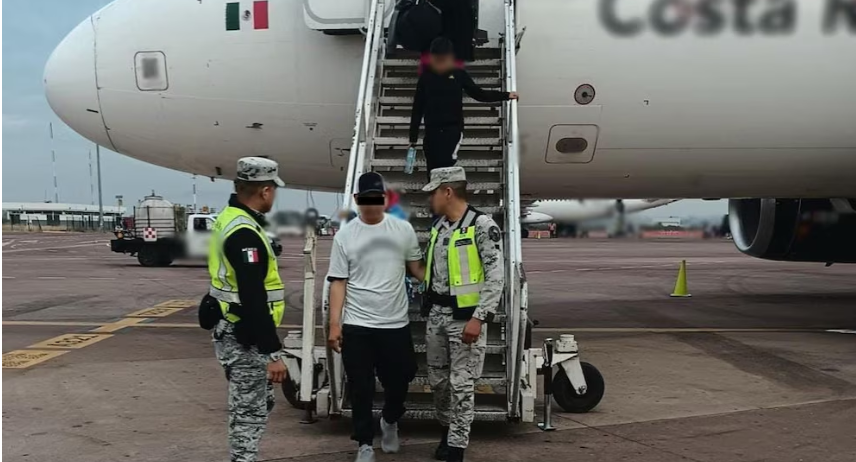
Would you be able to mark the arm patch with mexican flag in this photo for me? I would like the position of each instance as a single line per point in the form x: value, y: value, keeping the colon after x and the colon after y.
x: 251, y: 255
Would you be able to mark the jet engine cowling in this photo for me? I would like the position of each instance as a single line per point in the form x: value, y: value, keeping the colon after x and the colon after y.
x: 809, y: 230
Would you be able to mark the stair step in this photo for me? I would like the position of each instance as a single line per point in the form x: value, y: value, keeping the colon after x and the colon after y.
x: 466, y: 163
x: 404, y: 141
x: 403, y: 120
x: 420, y: 406
x: 489, y: 51
x: 490, y: 349
x: 414, y: 62
x: 469, y: 111
x: 484, y: 385
x: 408, y: 100
x: 416, y: 316
x: 402, y: 186
x: 409, y: 83
x: 471, y: 131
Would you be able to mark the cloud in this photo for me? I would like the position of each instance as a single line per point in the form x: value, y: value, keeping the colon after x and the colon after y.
x: 16, y: 122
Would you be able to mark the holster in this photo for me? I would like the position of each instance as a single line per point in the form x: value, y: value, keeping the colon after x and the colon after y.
x: 209, y: 312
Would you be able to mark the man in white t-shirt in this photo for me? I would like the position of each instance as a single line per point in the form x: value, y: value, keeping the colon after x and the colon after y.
x: 368, y: 263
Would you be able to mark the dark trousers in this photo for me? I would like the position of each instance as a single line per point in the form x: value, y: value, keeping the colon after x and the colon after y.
x: 441, y: 145
x: 389, y: 353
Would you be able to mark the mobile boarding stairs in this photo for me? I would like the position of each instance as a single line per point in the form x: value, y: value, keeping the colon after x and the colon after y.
x: 490, y: 154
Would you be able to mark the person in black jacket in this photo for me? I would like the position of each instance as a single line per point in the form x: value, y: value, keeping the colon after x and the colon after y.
x: 439, y: 100
x: 246, y: 285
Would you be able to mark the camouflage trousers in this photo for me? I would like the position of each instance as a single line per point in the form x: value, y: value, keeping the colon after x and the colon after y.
x: 453, y: 368
x: 251, y: 395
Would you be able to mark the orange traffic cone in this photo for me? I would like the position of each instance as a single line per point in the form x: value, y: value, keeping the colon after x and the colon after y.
x: 681, y: 283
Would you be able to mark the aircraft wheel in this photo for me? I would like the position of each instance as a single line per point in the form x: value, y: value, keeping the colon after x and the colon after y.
x: 524, y: 233
x: 569, y: 400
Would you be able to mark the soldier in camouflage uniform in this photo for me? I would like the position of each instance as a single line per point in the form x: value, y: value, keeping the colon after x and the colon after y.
x: 248, y: 297
x: 463, y: 289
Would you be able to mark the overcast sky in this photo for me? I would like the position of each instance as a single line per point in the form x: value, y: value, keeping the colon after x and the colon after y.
x: 31, y: 30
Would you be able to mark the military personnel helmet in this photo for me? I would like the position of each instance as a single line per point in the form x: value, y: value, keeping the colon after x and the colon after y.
x: 259, y: 169
x: 440, y: 176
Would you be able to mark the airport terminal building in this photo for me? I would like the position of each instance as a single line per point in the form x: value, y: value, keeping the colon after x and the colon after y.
x: 49, y: 216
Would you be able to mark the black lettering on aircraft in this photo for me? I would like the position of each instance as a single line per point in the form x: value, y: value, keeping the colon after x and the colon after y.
x: 711, y: 19
x: 838, y: 11
x: 670, y: 17
x: 781, y: 20
x: 707, y: 17
x: 615, y: 25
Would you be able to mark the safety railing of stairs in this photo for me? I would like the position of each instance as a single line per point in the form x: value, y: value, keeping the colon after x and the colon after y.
x: 515, y: 293
x: 364, y: 116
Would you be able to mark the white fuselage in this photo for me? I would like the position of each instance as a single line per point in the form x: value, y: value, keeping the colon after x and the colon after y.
x: 736, y: 108
x: 572, y: 212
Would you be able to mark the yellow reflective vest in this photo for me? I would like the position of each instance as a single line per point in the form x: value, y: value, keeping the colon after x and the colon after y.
x: 224, y: 285
x: 466, y: 273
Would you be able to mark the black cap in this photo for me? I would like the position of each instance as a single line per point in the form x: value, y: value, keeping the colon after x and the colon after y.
x: 370, y: 182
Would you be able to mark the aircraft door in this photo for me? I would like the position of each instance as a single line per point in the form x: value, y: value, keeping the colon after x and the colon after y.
x: 340, y: 15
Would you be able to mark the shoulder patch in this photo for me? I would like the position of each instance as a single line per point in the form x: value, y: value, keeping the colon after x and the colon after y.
x: 251, y: 255
x: 494, y: 233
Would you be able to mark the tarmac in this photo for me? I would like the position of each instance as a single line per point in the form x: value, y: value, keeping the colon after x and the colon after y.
x: 103, y: 360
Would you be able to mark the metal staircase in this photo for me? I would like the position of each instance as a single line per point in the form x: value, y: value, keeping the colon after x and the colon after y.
x: 484, y: 154
x: 489, y: 153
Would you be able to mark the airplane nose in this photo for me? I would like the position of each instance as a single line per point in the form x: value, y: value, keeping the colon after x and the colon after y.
x: 71, y: 87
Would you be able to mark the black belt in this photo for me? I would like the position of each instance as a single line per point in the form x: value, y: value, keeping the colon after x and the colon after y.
x: 448, y: 301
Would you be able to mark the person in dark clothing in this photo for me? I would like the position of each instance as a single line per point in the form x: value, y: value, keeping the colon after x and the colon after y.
x: 246, y: 285
x: 440, y: 101
x: 459, y: 26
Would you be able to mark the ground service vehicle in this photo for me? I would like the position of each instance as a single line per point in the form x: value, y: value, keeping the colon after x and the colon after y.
x: 162, y: 233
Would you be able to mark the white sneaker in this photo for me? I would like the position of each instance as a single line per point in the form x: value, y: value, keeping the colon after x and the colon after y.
x: 365, y: 454
x: 389, y: 441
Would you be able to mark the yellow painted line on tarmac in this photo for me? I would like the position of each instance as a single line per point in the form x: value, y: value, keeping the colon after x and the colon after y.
x: 73, y: 341
x: 22, y: 359
x: 36, y: 353
x: 54, y: 323
x: 176, y: 304
x: 154, y: 312
x: 119, y: 325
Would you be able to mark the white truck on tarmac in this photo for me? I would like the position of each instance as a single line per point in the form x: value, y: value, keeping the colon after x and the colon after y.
x: 162, y: 233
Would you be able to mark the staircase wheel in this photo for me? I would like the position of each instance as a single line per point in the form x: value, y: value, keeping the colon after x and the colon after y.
x: 568, y: 399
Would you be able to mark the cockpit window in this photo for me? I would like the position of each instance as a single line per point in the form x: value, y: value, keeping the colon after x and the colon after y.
x: 151, y: 71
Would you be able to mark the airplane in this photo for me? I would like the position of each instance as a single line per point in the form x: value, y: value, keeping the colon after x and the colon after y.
x: 745, y: 100
x: 569, y: 214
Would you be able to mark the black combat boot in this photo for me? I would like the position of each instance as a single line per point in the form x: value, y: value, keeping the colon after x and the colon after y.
x: 455, y: 454
x: 442, y: 452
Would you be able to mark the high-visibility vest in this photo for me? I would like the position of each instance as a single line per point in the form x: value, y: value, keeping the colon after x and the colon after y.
x: 224, y: 284
x: 466, y: 273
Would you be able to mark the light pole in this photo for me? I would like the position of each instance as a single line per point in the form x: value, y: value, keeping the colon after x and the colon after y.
x: 100, y: 197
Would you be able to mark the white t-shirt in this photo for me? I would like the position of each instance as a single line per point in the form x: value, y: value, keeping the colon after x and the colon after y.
x: 373, y: 260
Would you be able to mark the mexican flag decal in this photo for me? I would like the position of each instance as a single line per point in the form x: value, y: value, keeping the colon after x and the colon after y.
x: 238, y: 11
x: 251, y: 255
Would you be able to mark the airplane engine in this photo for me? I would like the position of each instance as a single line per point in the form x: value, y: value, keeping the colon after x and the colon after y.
x: 808, y: 230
